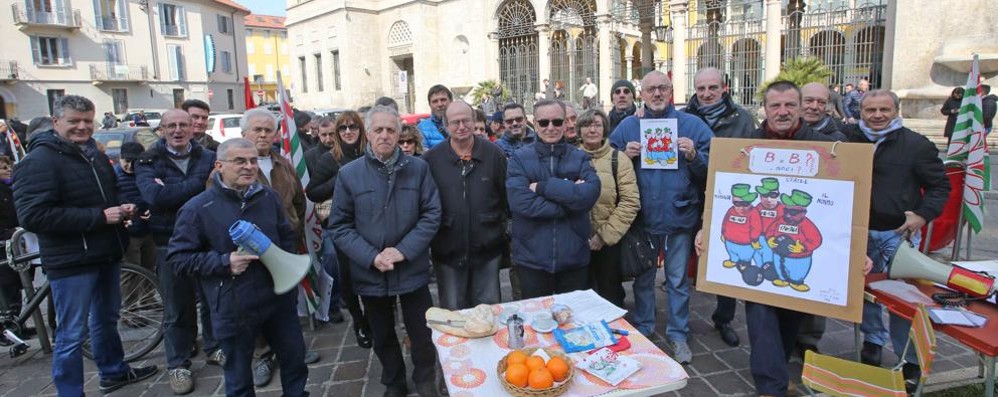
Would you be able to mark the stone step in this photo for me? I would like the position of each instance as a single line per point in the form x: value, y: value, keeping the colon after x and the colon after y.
x: 934, y: 129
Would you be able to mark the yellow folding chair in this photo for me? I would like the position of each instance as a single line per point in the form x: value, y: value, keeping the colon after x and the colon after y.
x: 839, y: 377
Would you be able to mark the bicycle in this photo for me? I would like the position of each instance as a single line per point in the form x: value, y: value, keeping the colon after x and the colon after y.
x: 141, y: 316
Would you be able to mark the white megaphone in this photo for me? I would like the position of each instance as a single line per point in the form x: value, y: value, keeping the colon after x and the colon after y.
x: 909, y: 263
x: 286, y: 269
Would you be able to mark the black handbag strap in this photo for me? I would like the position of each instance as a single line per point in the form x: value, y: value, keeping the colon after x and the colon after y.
x: 613, y: 167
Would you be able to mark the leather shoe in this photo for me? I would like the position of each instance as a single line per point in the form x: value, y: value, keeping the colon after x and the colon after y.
x: 728, y: 334
x: 871, y: 354
x: 311, y: 357
x: 427, y: 389
x: 394, y: 392
x: 336, y: 317
x: 363, y: 335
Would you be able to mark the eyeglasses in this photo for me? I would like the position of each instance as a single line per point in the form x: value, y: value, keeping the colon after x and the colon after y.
x: 353, y: 127
x: 624, y: 91
x: 480, y: 129
x: 458, y: 123
x: 772, y: 194
x: 514, y: 120
x: 741, y: 203
x: 240, y: 161
x: 175, y: 126
x: 597, y: 126
x: 407, y: 142
x: 659, y: 88
x: 545, y: 123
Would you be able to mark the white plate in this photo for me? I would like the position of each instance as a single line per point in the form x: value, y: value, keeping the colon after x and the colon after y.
x: 544, y: 325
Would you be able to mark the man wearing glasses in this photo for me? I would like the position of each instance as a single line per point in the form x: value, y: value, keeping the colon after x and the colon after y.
x: 169, y: 173
x: 670, y: 208
x: 517, y: 134
x: 551, y: 187
x: 471, y: 175
x: 239, y: 288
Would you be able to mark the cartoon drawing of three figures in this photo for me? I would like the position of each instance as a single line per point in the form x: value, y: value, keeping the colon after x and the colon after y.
x: 773, y: 240
x: 660, y: 149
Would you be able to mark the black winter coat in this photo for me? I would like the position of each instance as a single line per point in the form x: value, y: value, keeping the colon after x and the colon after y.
x: 950, y: 108
x: 60, y: 194
x: 473, y: 199
x: 178, y: 186
x: 907, y: 176
x: 128, y: 191
x: 201, y: 245
x: 375, y: 208
x: 989, y: 105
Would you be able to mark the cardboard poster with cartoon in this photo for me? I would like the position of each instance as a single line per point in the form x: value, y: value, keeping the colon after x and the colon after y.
x: 659, y: 149
x: 786, y: 235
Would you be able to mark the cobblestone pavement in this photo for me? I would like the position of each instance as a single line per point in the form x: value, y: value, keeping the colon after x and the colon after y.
x: 348, y: 370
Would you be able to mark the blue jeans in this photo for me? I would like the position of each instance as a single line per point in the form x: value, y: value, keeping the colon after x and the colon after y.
x: 90, y: 300
x: 881, y: 246
x: 677, y: 255
x: 331, y: 264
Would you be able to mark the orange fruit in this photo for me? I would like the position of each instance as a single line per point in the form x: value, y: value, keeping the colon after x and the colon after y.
x: 517, y: 375
x: 540, y: 379
x: 516, y: 357
x: 558, y: 368
x: 534, y: 362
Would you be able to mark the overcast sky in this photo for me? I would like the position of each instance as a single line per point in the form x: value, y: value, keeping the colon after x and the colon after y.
x: 266, y: 7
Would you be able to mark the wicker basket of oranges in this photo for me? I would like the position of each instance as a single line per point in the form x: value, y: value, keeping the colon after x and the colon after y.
x: 526, y: 374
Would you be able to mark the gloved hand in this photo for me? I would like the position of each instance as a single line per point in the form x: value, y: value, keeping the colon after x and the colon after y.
x: 756, y: 245
x: 771, y: 242
x: 796, y: 248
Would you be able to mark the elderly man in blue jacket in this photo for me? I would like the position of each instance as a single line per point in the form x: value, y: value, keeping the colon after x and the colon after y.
x: 385, y: 212
x: 670, y: 208
x: 551, y: 187
x: 238, y: 288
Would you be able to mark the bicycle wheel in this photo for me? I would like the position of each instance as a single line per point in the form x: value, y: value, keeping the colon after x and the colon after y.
x: 140, y: 324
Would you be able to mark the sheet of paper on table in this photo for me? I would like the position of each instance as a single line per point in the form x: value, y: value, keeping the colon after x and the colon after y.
x: 901, y: 290
x: 589, y: 307
x: 956, y: 317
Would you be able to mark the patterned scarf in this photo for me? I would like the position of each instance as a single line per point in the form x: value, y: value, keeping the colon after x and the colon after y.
x: 878, y: 136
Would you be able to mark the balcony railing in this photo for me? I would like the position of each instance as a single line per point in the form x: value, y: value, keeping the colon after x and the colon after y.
x: 116, y: 72
x: 8, y: 70
x: 64, y: 16
x: 112, y: 24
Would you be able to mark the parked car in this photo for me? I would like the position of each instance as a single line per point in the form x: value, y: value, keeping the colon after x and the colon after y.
x: 152, y: 116
x: 414, y: 118
x: 334, y: 113
x: 223, y: 127
x: 113, y: 139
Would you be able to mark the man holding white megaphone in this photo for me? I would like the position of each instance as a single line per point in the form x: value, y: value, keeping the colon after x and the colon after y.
x: 240, y: 290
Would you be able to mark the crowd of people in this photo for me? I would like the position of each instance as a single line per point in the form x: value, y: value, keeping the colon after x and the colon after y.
x: 455, y: 198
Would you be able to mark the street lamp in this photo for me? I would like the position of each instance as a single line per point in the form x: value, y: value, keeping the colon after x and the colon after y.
x: 663, y: 33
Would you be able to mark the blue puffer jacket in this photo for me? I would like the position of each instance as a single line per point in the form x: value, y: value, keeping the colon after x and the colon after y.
x: 433, y: 131
x: 201, y: 245
x: 60, y: 194
x: 670, y: 200
x: 128, y: 191
x: 375, y: 208
x: 510, y: 144
x: 551, y: 225
x: 178, y: 186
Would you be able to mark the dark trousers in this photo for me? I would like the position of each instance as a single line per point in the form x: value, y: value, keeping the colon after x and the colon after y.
x: 381, y: 316
x: 350, y: 298
x: 535, y: 283
x: 604, y: 274
x: 812, y: 328
x: 180, y: 314
x: 724, y: 313
x: 772, y: 335
x: 283, y: 333
x: 469, y: 284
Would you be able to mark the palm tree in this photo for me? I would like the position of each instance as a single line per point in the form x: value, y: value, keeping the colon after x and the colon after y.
x: 486, y: 88
x: 800, y: 71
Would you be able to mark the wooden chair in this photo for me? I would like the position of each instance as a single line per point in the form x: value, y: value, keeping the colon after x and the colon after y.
x: 839, y: 377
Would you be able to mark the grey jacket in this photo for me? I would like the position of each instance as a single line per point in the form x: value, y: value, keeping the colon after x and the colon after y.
x: 376, y: 207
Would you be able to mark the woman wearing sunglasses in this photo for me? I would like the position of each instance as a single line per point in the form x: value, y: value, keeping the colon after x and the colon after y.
x: 346, y: 144
x: 411, y: 141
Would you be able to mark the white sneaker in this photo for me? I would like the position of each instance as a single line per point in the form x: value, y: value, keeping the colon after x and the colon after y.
x: 181, y: 381
x: 681, y: 352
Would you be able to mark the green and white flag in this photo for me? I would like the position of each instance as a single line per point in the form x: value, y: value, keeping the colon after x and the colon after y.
x: 969, y: 148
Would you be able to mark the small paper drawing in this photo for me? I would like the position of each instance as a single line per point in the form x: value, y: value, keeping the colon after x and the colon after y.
x: 658, y: 144
x: 776, y: 240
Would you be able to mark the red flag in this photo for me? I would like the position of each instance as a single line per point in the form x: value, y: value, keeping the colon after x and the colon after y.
x: 250, y: 104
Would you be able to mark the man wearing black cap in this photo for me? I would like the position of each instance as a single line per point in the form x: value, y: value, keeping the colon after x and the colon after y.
x: 622, y: 96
